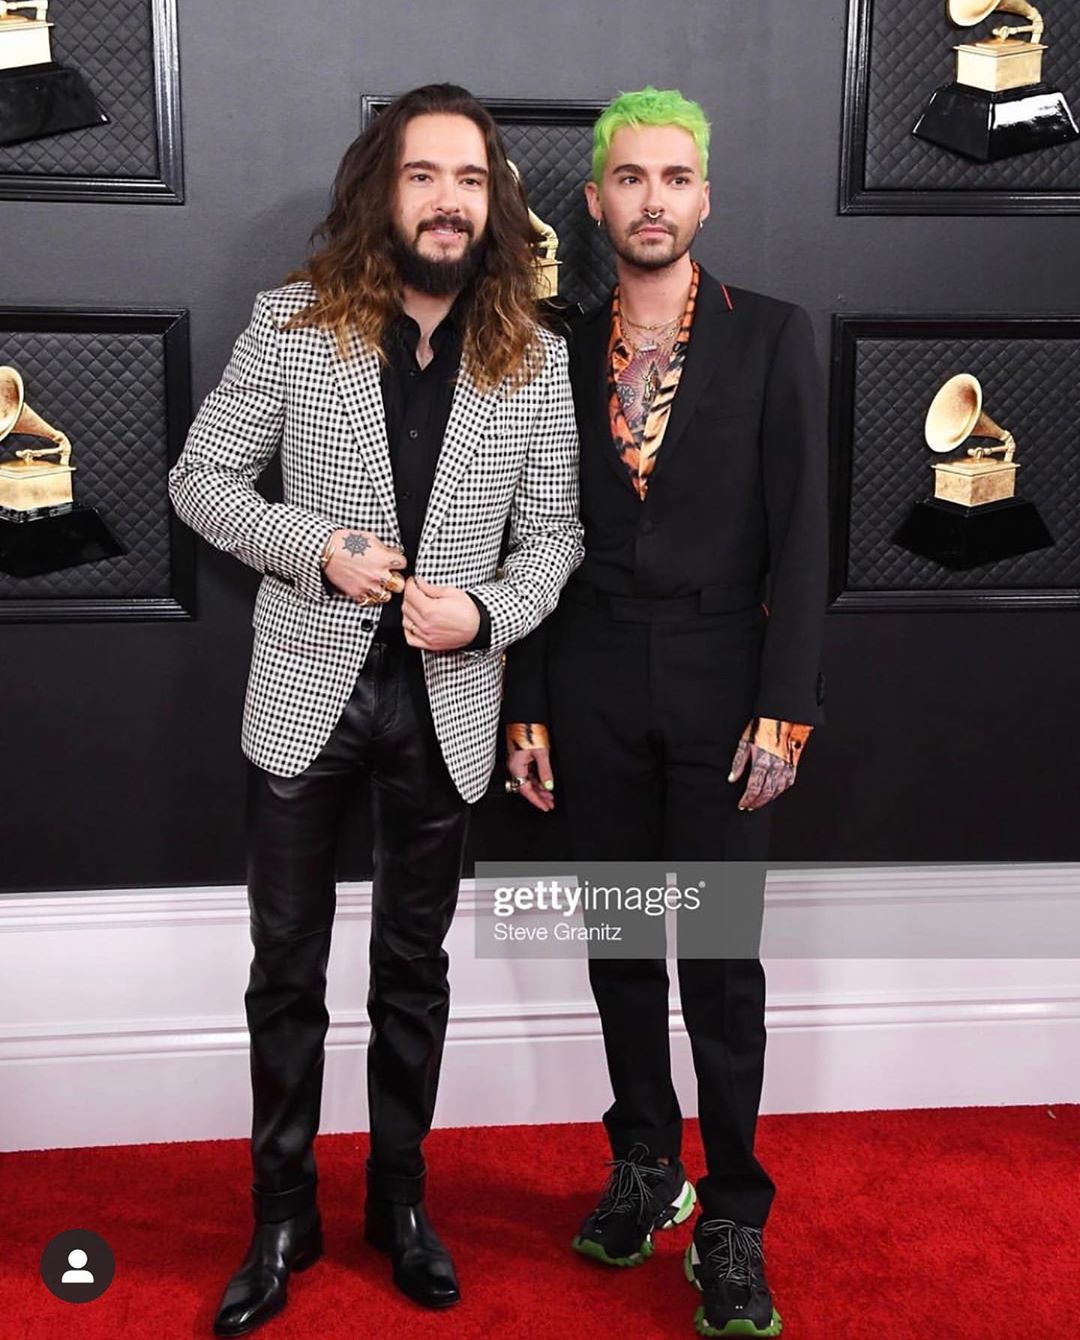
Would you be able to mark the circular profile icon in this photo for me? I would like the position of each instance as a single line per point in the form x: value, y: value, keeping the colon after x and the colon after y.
x: 77, y: 1266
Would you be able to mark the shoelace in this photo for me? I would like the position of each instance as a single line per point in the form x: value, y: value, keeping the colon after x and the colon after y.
x: 735, y: 1255
x: 628, y: 1187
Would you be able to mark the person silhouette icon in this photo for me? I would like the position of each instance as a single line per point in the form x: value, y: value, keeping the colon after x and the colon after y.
x: 77, y: 1275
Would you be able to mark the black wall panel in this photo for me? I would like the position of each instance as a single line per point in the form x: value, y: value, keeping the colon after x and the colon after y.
x: 119, y: 743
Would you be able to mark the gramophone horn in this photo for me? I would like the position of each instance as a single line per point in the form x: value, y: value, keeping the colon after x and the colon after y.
x: 16, y: 416
x: 967, y: 13
x: 12, y: 399
x: 956, y: 413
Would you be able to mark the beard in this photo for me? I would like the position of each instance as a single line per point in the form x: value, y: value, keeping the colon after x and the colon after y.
x: 437, y: 278
x: 644, y: 260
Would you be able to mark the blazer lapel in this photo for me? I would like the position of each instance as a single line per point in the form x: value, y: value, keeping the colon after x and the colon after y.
x: 590, y: 377
x: 469, y: 414
x: 358, y: 382
x: 711, y: 336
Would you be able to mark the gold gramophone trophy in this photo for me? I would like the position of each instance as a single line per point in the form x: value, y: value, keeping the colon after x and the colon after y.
x: 38, y: 97
x: 974, y: 516
x: 41, y: 529
x: 998, y: 105
x: 546, y: 249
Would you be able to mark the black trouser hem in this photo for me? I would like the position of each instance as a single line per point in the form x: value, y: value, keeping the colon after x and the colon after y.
x: 393, y: 1187
x: 271, y: 1207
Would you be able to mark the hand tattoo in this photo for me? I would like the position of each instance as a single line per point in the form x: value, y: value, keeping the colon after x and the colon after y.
x: 356, y: 544
x: 769, y: 777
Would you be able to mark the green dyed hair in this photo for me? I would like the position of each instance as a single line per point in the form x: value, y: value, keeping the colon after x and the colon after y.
x: 649, y: 107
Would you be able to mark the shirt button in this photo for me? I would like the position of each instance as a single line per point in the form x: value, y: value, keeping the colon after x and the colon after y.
x: 406, y: 497
x: 413, y: 433
x: 646, y: 528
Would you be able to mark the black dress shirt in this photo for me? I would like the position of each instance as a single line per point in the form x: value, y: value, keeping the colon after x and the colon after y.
x: 417, y: 404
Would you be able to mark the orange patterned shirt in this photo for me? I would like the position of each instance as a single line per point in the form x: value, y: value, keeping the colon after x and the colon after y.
x: 641, y: 387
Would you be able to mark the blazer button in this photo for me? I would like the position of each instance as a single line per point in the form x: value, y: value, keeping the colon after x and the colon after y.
x: 367, y: 625
x: 646, y: 528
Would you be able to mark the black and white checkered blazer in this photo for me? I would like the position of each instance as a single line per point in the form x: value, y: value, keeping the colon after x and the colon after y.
x: 505, y: 455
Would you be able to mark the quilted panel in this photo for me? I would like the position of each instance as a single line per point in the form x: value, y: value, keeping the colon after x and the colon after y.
x: 554, y: 162
x: 107, y: 392
x: 1029, y: 387
x: 911, y: 54
x: 110, y: 43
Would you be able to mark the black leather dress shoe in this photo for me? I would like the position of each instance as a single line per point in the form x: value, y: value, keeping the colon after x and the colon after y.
x: 423, y: 1270
x: 257, y: 1291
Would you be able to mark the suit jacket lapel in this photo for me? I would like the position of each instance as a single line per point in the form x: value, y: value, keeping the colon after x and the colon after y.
x: 469, y: 414
x: 358, y: 382
x: 590, y: 377
x: 711, y: 336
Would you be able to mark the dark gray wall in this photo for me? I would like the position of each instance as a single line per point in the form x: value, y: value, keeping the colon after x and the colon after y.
x: 119, y: 744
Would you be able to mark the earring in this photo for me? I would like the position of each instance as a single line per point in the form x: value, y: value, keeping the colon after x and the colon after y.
x: 700, y: 224
x: 599, y: 223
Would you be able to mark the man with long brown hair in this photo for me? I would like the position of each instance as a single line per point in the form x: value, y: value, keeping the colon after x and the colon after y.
x: 418, y: 408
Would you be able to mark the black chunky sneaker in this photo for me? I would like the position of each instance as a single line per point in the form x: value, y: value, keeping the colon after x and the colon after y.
x: 726, y: 1262
x: 641, y: 1194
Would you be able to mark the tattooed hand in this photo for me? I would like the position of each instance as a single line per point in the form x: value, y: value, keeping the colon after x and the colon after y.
x: 772, y: 749
x: 361, y: 565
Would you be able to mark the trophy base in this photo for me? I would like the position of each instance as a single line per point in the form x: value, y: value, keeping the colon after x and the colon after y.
x: 988, y: 126
x: 41, y: 100
x: 967, y: 537
x: 33, y: 544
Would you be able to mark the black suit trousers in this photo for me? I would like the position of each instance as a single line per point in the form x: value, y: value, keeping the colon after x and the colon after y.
x: 646, y: 714
x: 383, y: 750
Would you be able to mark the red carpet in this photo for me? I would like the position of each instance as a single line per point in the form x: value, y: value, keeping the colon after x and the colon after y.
x: 903, y: 1225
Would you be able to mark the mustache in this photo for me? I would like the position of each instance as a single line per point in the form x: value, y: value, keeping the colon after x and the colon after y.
x: 446, y: 221
x: 654, y: 223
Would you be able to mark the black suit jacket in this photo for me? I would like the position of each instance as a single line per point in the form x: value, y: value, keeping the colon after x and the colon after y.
x: 737, y: 504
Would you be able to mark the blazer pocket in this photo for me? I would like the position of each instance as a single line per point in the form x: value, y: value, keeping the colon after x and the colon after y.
x: 279, y: 614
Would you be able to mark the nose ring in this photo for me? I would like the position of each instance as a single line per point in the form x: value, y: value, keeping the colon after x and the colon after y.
x: 650, y: 215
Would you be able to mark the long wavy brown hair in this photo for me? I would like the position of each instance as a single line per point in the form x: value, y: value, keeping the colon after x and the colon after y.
x: 358, y: 290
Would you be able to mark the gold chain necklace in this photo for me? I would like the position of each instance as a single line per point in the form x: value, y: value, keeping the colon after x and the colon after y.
x: 654, y: 339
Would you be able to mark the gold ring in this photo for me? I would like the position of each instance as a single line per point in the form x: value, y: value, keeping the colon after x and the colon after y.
x: 514, y: 784
x: 391, y: 582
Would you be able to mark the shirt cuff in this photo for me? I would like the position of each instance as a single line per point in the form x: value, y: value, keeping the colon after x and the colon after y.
x: 784, y: 739
x: 482, y: 640
x: 527, y: 735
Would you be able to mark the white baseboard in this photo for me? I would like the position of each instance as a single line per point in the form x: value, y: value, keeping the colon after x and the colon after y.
x: 121, y: 1013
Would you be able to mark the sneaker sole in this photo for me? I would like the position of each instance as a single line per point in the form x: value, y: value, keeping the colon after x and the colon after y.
x: 740, y: 1326
x: 677, y: 1212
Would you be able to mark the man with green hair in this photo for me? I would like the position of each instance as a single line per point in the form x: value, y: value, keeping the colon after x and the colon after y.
x: 684, y: 652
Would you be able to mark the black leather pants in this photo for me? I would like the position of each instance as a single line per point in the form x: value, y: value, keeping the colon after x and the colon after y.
x: 385, y: 740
